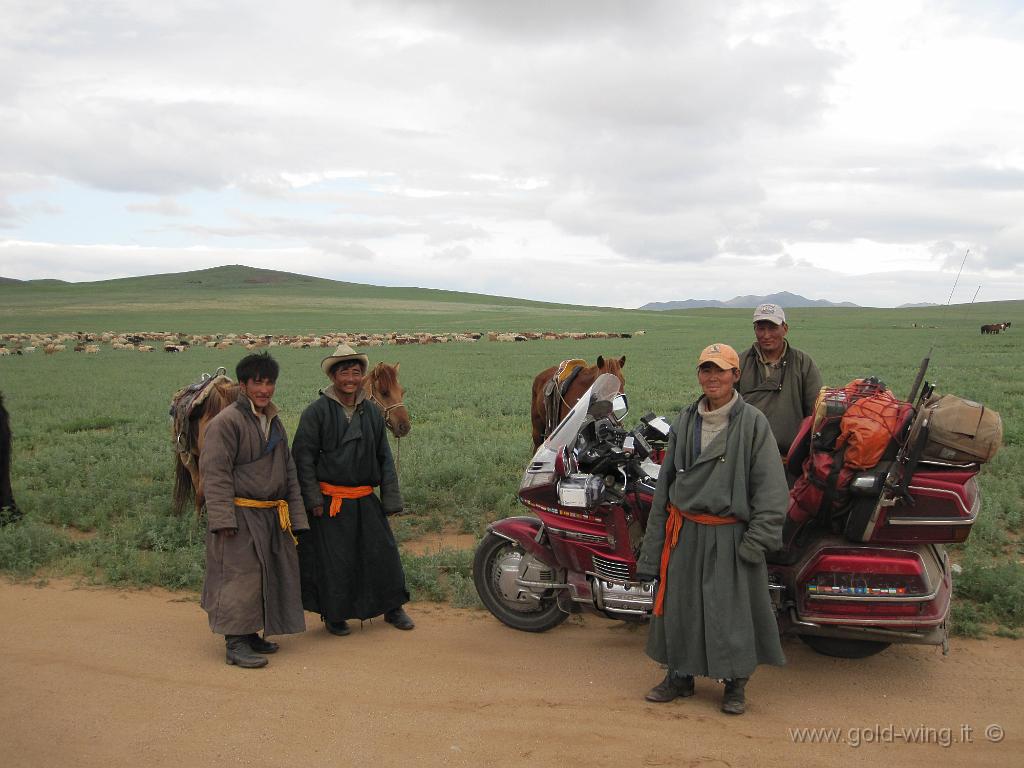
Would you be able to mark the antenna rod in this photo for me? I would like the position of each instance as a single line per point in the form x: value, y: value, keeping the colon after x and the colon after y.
x: 957, y: 277
x: 922, y: 369
x: 967, y: 310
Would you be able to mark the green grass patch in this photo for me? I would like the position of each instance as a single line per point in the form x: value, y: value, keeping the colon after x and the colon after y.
x: 26, y: 547
x: 999, y: 587
x: 95, y: 424
x: 442, y: 576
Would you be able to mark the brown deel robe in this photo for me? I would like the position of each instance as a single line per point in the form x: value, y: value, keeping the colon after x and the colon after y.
x: 252, y: 578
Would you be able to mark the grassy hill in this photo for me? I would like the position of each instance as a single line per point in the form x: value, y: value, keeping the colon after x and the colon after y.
x: 239, y: 299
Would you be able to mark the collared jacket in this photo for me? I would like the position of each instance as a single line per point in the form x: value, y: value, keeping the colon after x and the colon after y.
x: 329, y: 447
x: 785, y: 400
x: 718, y: 618
x: 252, y: 578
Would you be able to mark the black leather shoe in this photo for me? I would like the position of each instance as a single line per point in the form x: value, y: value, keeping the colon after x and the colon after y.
x: 733, y: 701
x: 260, y: 644
x: 399, y: 619
x: 339, y: 628
x: 671, y: 688
x: 238, y: 652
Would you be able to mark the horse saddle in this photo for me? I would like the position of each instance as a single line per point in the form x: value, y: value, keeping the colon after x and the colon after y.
x: 555, y: 389
x: 185, y: 402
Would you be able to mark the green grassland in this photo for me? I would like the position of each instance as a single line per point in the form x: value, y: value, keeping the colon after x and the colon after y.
x: 93, y: 460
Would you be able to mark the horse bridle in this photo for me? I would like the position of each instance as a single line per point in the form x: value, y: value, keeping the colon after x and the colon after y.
x: 387, y: 409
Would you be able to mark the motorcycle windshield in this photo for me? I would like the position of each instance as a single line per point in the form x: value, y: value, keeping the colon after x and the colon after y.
x: 541, y: 470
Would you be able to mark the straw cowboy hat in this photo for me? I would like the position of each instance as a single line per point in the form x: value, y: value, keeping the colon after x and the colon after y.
x: 342, y: 353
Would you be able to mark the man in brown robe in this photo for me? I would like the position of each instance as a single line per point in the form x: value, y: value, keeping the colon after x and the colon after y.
x: 254, y: 508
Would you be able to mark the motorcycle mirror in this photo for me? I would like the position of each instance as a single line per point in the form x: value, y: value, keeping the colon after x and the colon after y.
x: 620, y: 406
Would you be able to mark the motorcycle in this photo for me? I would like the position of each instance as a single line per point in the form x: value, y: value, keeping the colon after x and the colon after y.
x: 879, y: 576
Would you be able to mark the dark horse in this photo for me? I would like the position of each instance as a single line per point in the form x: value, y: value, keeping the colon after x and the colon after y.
x: 8, y: 509
x: 381, y: 386
x: 580, y: 384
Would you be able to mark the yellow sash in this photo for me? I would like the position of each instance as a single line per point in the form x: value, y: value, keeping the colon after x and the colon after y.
x: 283, y: 517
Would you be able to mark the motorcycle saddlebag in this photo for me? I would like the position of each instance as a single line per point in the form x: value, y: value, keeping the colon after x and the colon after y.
x: 958, y: 430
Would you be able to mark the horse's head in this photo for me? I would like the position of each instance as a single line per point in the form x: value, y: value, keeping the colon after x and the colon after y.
x: 613, y: 366
x: 383, y: 388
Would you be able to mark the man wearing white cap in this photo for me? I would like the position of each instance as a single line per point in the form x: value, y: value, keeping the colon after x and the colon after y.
x: 776, y: 378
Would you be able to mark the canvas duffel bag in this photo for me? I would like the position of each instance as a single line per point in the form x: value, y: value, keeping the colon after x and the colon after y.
x: 959, y: 430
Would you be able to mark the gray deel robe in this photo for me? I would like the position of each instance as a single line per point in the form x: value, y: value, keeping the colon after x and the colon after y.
x: 252, y: 578
x: 718, y: 619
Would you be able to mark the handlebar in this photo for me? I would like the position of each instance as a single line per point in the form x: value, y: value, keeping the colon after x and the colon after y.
x: 623, y: 450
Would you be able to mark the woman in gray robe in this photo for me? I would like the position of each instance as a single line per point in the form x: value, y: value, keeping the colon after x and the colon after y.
x: 719, y: 506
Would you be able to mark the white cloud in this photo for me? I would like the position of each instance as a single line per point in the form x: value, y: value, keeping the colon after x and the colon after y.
x: 662, y: 138
x: 164, y: 206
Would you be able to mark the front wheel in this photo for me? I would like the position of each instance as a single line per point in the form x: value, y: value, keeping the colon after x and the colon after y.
x: 843, y: 648
x: 496, y: 566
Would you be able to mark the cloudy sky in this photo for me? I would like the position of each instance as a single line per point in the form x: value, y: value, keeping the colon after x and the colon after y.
x: 609, y: 152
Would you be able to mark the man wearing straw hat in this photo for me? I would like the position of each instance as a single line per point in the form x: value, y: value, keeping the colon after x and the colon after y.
x: 350, y: 565
x: 254, y: 509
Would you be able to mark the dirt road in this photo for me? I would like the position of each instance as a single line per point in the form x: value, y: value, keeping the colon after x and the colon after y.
x: 106, y: 678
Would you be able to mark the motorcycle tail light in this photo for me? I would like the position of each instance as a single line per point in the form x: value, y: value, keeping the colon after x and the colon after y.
x: 866, y: 575
x: 847, y: 585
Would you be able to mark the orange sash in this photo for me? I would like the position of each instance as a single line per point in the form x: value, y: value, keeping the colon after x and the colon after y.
x: 673, y: 528
x: 340, y: 492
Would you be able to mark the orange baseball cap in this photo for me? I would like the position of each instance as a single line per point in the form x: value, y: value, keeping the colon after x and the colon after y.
x: 722, y: 355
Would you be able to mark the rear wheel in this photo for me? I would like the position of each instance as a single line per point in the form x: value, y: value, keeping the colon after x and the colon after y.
x: 496, y: 567
x: 843, y: 648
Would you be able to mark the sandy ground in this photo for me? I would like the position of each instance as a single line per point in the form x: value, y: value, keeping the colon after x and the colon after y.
x: 97, y: 677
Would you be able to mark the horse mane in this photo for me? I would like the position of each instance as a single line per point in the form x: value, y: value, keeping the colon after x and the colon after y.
x: 221, y: 394
x: 385, y: 376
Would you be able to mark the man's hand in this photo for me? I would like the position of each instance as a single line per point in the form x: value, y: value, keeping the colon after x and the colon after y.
x: 318, y: 510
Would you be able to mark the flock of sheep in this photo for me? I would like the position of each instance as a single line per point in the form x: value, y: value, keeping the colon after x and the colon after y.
x: 89, y: 343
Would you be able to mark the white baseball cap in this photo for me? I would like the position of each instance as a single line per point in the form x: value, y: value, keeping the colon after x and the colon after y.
x: 770, y: 312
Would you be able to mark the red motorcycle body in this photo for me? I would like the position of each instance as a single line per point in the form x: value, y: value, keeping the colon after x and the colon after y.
x: 884, y: 578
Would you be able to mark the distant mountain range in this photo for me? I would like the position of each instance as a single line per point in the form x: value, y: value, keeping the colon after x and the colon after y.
x: 785, y: 299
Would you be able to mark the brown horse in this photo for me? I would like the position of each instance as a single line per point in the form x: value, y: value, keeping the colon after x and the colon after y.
x: 580, y: 384
x: 381, y: 386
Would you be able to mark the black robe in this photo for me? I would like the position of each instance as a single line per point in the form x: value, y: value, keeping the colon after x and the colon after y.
x: 350, y: 564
